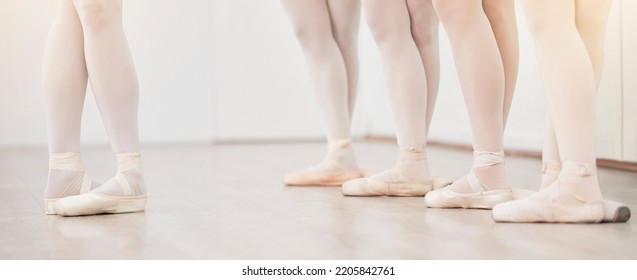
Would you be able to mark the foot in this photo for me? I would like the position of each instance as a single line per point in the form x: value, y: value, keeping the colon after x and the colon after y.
x: 573, y: 198
x: 122, y: 194
x: 484, y: 187
x: 67, y: 177
x: 614, y: 211
x: 409, y: 177
x: 338, y: 167
x: 328, y: 173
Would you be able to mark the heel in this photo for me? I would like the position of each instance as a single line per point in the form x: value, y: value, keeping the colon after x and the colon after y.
x: 49, y: 206
x: 137, y: 204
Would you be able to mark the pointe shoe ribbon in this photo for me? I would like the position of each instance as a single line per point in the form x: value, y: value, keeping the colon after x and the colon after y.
x: 481, y: 197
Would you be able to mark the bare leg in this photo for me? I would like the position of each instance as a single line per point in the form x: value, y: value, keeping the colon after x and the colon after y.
x: 114, y: 83
x: 481, y: 74
x: 64, y: 79
x: 329, y: 46
x: 568, y: 75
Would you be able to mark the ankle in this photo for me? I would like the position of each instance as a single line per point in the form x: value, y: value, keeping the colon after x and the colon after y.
x: 128, y: 180
x: 550, y: 171
x: 62, y: 183
x: 66, y: 161
x: 343, y: 155
x: 67, y: 176
x: 128, y: 161
x: 580, y: 181
x: 493, y: 176
x: 413, y: 164
x: 129, y: 166
x: 489, y: 168
x: 334, y: 145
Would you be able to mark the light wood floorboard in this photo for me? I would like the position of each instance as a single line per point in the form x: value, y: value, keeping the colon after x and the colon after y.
x: 228, y: 202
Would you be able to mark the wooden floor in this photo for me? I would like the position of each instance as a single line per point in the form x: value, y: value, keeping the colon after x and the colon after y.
x: 227, y: 202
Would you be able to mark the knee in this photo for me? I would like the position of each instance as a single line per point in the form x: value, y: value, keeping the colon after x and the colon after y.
x: 455, y: 12
x: 97, y: 15
x: 347, y: 40
x: 380, y: 31
x: 425, y: 31
x: 542, y: 24
x: 592, y: 25
x: 312, y: 38
x: 387, y: 31
x: 501, y: 17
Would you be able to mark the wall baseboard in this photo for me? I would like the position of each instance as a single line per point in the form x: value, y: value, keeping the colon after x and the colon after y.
x: 606, y: 163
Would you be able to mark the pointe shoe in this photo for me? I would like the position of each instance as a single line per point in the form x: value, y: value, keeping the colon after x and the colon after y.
x: 519, y: 193
x: 614, y: 211
x: 558, y: 203
x: 402, y: 180
x: 67, y: 177
x: 330, y: 173
x: 481, y: 197
x: 338, y: 167
x: 97, y: 203
x: 374, y: 187
x: 124, y: 193
x: 445, y: 198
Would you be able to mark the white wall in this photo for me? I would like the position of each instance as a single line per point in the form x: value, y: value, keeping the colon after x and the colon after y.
x: 229, y: 70
x: 629, y: 96
x: 260, y: 75
x: 23, y: 28
x: 170, y: 43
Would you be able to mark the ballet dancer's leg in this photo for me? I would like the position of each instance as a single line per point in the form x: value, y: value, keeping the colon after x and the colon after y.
x: 501, y: 15
x: 64, y: 79
x: 591, y: 18
x: 345, y: 21
x: 114, y: 83
x: 424, y: 29
x: 406, y: 79
x: 481, y: 74
x: 329, y: 47
x: 568, y: 75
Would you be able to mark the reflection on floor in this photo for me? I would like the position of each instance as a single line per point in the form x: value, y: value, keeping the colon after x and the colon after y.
x: 227, y: 202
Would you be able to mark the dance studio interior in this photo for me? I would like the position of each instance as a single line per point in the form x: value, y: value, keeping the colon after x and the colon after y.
x: 228, y: 107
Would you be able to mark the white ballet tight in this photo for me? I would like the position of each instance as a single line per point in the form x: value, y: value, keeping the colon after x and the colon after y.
x: 407, y: 38
x: 569, y: 73
x: 87, y: 43
x: 485, y: 52
x: 590, y: 20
